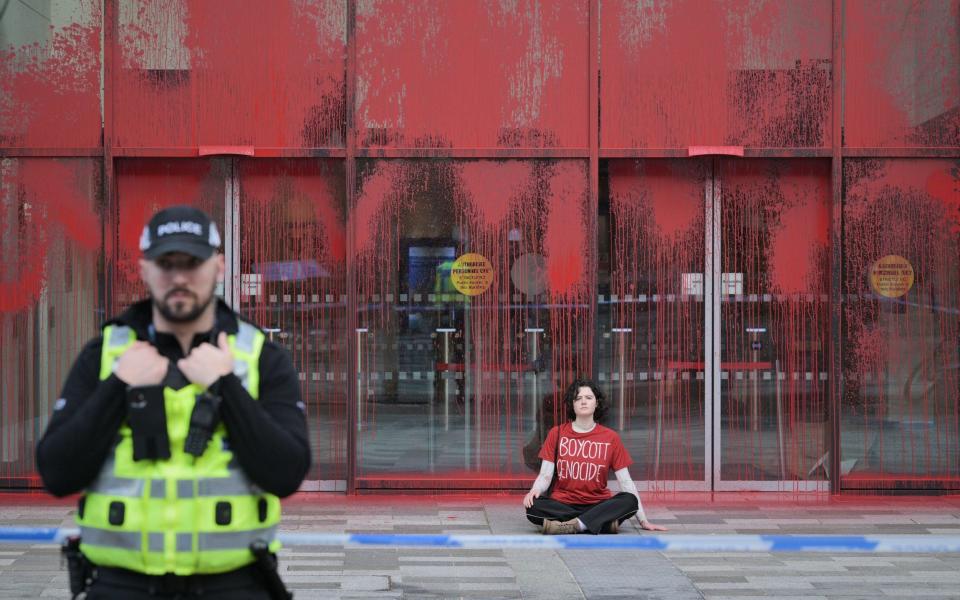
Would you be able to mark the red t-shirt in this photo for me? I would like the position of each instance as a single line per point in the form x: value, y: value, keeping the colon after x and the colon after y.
x: 584, y: 462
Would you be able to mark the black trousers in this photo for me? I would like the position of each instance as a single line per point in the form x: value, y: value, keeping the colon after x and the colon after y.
x: 240, y: 585
x: 621, y: 507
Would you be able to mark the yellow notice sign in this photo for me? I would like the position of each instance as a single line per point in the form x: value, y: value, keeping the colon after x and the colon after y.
x: 891, y: 276
x: 471, y: 274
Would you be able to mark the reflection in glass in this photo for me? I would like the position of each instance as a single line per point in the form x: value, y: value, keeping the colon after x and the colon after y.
x: 773, y: 319
x: 650, y: 313
x: 49, y: 286
x: 453, y: 374
x: 292, y: 282
x: 901, y: 348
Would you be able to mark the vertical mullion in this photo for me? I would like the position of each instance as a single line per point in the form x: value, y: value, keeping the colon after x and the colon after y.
x: 716, y: 324
x: 708, y: 300
x: 111, y: 209
x: 231, y: 235
x: 834, y: 368
x: 353, y: 346
x: 594, y: 199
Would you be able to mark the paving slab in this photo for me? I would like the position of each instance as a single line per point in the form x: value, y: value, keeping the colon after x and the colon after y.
x: 315, y: 572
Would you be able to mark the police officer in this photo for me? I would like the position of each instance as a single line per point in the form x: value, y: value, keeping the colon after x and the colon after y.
x: 182, y: 426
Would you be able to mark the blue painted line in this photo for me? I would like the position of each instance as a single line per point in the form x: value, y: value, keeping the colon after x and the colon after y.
x: 801, y: 543
x: 896, y: 544
x: 399, y: 539
x: 29, y: 534
x: 613, y: 542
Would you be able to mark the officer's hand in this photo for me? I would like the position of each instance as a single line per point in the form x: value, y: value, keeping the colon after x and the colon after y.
x: 208, y: 363
x: 141, y: 364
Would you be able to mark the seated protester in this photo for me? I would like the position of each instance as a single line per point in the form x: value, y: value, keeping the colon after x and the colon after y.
x: 583, y: 452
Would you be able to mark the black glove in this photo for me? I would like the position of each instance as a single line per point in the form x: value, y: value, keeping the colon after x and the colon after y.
x: 148, y: 422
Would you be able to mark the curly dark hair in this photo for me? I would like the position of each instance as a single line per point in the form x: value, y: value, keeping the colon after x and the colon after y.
x: 571, y: 394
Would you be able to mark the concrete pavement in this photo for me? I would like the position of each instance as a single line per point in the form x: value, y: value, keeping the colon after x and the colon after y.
x: 29, y: 571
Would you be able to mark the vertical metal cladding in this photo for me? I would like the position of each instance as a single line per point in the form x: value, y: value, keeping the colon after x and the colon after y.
x: 192, y: 73
x: 480, y: 74
x: 482, y: 80
x: 902, y: 73
x: 717, y: 72
x: 50, y: 77
x: 900, y: 410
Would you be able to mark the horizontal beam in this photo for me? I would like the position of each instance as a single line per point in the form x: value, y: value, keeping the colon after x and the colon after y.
x: 52, y: 152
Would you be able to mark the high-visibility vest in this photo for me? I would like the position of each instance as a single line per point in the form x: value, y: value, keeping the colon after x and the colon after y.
x: 185, y: 514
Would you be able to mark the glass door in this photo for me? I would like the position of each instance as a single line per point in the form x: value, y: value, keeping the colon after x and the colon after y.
x: 767, y: 323
x: 651, y: 316
x: 712, y: 318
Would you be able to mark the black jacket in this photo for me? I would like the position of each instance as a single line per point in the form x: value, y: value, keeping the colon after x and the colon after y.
x: 267, y: 436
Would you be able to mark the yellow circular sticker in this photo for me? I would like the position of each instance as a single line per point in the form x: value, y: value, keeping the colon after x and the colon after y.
x: 471, y: 274
x: 891, y: 276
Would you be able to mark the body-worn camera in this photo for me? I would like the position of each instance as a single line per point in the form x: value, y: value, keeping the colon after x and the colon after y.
x: 203, y: 420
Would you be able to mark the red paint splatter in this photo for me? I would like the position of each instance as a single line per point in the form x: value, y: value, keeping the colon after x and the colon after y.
x: 902, y: 73
x: 50, y: 91
x: 901, y: 376
x: 494, y: 187
x: 663, y: 189
x: 718, y: 72
x: 293, y: 281
x: 246, y: 76
x: 53, y: 203
x: 472, y: 74
x: 566, y: 239
x: 799, y: 241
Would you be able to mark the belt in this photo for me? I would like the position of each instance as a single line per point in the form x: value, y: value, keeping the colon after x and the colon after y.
x: 244, y: 577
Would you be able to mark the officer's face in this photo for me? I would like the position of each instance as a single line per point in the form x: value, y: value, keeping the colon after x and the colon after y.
x: 180, y: 285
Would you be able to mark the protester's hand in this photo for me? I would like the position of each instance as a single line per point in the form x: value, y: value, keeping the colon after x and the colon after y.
x: 529, y: 498
x: 140, y: 365
x: 207, y: 363
x: 645, y: 524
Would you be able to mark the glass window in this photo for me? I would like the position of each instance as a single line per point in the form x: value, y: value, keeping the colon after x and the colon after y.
x: 50, y: 232
x: 145, y: 186
x: 901, y: 320
x: 473, y: 296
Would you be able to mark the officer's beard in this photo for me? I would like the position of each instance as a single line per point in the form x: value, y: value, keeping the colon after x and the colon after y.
x: 179, y: 310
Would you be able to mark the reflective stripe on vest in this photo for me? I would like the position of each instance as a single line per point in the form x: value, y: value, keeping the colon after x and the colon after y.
x: 174, y: 505
x: 236, y: 484
x: 246, y: 345
x: 133, y: 540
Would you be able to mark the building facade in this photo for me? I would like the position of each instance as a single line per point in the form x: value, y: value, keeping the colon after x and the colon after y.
x: 742, y: 218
